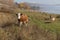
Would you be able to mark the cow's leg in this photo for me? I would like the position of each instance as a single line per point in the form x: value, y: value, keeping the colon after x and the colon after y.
x: 18, y: 22
x: 21, y: 24
x: 25, y: 23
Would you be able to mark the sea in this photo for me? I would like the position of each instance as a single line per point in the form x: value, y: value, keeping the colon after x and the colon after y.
x: 50, y: 8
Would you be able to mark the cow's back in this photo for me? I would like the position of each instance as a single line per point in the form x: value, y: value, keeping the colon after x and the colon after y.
x: 24, y: 18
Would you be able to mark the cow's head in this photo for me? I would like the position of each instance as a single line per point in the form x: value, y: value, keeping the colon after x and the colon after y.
x: 18, y: 15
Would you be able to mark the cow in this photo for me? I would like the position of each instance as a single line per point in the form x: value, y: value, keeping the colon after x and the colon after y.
x: 22, y: 19
x: 53, y: 19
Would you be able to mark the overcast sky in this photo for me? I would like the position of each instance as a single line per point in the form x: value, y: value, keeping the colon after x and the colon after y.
x: 40, y: 1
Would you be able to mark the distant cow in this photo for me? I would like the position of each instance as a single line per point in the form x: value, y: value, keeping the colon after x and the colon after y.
x: 22, y: 19
x: 53, y: 19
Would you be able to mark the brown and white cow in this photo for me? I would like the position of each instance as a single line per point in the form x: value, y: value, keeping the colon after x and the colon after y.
x: 22, y: 19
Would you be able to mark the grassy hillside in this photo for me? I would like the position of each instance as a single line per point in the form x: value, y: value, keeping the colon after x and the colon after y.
x: 38, y: 18
x: 37, y: 28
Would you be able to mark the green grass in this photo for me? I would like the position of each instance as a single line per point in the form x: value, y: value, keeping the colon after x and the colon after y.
x: 38, y: 19
x: 36, y: 27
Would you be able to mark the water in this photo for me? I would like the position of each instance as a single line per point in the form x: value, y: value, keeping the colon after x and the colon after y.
x: 50, y: 8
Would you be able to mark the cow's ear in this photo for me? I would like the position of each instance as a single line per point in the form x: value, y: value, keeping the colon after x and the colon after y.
x: 16, y: 14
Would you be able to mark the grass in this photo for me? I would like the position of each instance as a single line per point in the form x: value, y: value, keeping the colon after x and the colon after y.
x: 37, y: 28
x: 38, y: 19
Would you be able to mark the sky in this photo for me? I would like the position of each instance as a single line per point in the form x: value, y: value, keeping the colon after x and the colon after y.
x: 40, y: 1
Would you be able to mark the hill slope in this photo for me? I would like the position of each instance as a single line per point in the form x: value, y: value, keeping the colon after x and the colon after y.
x: 37, y: 28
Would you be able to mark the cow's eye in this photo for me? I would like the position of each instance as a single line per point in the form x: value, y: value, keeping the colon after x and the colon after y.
x: 16, y: 14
